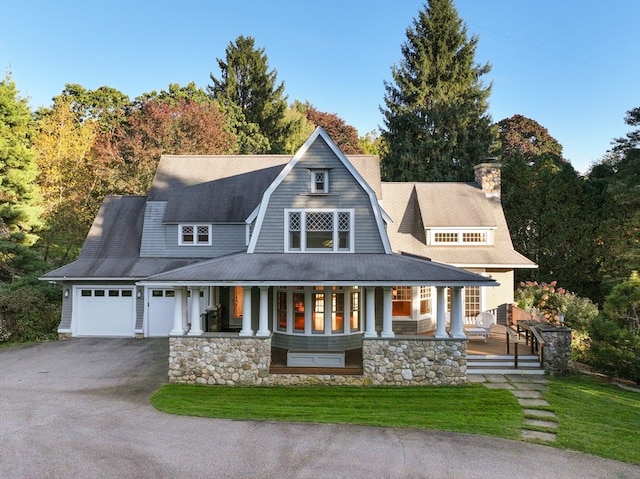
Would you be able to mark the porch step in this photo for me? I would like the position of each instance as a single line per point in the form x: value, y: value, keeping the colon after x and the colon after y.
x: 494, y: 364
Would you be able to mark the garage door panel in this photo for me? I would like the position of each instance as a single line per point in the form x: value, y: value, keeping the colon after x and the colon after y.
x: 160, y: 314
x: 105, y: 312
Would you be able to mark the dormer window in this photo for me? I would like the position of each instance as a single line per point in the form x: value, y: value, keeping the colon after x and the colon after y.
x: 198, y: 235
x: 319, y: 181
x: 469, y: 237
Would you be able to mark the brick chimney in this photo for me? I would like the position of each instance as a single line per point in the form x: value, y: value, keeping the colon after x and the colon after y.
x: 488, y: 177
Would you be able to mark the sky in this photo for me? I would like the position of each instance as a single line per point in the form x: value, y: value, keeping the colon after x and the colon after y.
x: 571, y: 65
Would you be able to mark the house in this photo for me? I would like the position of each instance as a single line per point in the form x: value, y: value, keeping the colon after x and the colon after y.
x: 260, y: 267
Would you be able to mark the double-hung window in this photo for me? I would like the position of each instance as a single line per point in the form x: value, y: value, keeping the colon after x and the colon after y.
x: 319, y: 181
x: 319, y: 230
x: 199, y: 235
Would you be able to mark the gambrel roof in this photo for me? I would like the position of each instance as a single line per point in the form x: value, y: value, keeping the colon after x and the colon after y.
x: 235, y: 189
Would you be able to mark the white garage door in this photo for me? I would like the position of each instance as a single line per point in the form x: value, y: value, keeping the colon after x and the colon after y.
x: 104, y: 311
x: 160, y: 313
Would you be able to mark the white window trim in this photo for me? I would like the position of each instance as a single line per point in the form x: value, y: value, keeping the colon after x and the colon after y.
x: 303, y: 234
x: 313, y: 182
x: 195, y: 241
x: 308, y: 307
x: 431, y: 236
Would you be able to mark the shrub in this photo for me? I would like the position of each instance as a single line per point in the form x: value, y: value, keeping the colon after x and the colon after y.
x: 613, y: 350
x: 29, y: 310
x: 548, y: 301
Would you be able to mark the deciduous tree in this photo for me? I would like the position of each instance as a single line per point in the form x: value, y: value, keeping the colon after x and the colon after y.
x: 67, y: 179
x: 154, y: 128
x: 345, y: 136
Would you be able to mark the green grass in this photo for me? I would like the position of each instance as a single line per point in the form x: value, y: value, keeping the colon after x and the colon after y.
x: 595, y: 417
x: 470, y: 409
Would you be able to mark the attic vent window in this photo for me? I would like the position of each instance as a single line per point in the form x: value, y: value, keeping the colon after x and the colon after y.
x: 319, y: 181
x: 198, y: 235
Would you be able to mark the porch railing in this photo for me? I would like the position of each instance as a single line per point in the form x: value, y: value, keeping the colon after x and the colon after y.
x: 524, y: 323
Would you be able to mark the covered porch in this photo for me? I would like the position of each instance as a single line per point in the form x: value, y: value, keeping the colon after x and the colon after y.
x: 319, y: 306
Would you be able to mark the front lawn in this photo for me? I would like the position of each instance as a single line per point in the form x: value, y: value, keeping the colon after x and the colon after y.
x: 470, y: 409
x: 596, y: 417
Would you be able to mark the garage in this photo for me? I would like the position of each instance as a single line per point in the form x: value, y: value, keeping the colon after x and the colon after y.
x: 160, y: 312
x: 104, y: 311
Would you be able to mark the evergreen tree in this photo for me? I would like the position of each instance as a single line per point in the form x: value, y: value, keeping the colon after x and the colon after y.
x: 437, y: 125
x: 615, y: 194
x: 247, y: 92
x: 543, y: 198
x: 19, y: 196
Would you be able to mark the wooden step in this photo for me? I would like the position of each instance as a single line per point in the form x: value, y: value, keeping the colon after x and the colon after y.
x: 502, y: 364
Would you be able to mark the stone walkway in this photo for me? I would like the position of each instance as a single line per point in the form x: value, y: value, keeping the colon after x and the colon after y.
x: 540, y: 422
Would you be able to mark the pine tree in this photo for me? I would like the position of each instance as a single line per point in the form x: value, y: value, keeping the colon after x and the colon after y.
x: 247, y: 92
x: 19, y: 211
x: 437, y: 125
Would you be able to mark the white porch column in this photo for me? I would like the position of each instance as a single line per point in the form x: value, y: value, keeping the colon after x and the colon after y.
x: 457, y: 330
x: 178, y: 329
x: 370, y: 313
x: 196, y: 323
x: 387, y: 313
x: 263, y: 325
x: 441, y: 303
x: 246, y: 312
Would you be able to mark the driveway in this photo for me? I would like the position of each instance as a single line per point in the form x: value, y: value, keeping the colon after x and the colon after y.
x: 80, y: 409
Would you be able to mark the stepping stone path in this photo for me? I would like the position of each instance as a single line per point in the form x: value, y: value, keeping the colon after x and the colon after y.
x: 540, y: 423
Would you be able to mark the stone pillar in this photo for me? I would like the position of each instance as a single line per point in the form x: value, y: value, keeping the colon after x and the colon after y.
x: 387, y: 313
x: 441, y: 306
x: 557, y: 349
x: 246, y: 313
x: 196, y: 322
x: 178, y: 329
x: 263, y: 325
x: 370, y: 320
x: 457, y: 308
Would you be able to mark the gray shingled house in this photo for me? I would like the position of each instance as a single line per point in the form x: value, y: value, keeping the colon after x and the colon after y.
x: 267, y: 267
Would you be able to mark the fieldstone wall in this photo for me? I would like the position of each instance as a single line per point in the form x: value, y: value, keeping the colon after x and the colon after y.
x: 557, y: 349
x: 228, y: 360
x: 415, y: 361
x: 232, y: 360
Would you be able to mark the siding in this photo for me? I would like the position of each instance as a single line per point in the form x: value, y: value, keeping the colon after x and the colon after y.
x: 161, y: 240
x: 344, y: 192
x: 67, y: 307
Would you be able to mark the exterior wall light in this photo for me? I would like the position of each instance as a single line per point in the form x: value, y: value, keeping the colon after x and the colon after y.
x: 139, y: 294
x: 66, y: 293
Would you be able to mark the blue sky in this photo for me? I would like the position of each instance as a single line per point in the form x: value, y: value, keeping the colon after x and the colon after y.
x: 571, y: 65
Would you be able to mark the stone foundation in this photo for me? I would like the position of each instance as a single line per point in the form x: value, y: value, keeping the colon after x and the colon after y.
x: 228, y: 360
x: 231, y: 360
x: 415, y: 361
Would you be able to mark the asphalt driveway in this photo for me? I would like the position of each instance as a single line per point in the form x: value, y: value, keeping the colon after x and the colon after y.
x: 80, y: 409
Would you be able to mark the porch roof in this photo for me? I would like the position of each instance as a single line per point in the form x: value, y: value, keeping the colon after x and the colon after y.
x: 320, y: 268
